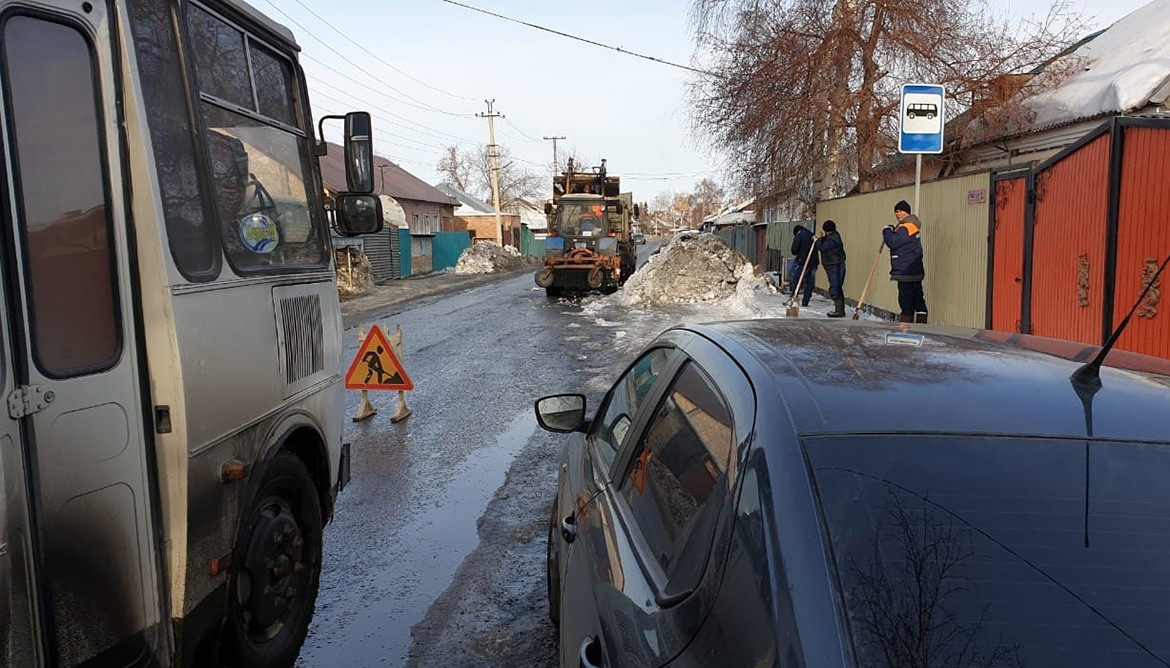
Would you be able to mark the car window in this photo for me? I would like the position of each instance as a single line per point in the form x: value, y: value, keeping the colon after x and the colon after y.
x: 1007, y: 551
x: 675, y: 482
x: 619, y: 408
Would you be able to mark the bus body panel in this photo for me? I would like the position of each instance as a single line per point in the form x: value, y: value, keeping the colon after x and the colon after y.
x: 117, y: 513
x: 70, y: 298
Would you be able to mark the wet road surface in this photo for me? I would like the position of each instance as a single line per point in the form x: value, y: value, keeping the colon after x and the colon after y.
x: 442, y: 527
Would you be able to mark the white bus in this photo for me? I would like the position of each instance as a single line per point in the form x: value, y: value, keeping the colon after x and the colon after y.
x: 170, y: 335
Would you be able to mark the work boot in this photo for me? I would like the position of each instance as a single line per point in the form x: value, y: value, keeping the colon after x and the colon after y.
x: 920, y: 317
x: 905, y: 317
x: 838, y: 309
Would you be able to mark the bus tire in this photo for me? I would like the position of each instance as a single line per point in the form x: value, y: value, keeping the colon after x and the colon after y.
x: 276, y: 568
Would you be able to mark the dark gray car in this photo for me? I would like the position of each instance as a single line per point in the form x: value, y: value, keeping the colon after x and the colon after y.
x: 801, y: 493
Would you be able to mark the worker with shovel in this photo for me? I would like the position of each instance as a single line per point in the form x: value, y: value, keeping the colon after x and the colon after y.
x: 906, y: 266
x: 802, y: 250
x: 832, y: 250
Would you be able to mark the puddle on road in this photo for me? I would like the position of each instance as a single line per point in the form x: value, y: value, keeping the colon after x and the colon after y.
x: 441, y: 532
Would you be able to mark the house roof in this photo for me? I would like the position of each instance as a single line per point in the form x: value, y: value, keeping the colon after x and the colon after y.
x: 469, y: 205
x: 389, y: 179
x: 1124, y: 68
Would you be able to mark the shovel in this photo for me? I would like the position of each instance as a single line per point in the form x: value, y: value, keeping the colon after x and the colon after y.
x: 868, y: 279
x: 792, y: 310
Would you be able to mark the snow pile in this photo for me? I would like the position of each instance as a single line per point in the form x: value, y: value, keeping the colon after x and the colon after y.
x: 694, y: 271
x: 488, y: 257
x: 355, y: 275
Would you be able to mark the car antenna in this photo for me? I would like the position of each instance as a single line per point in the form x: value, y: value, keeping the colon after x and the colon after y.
x: 1088, y: 377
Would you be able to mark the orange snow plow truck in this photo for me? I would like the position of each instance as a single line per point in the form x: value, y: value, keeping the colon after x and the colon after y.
x: 589, y: 245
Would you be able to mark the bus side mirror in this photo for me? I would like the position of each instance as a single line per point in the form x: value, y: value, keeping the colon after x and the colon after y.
x: 357, y: 214
x: 636, y: 212
x: 359, y: 154
x: 548, y: 208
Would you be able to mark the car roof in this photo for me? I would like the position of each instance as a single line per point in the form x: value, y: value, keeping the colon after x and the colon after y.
x: 856, y: 376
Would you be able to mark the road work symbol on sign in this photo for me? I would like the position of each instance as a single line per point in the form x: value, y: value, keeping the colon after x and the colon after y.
x: 376, y: 367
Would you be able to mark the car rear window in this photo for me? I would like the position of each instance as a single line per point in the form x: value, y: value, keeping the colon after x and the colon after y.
x: 972, y: 551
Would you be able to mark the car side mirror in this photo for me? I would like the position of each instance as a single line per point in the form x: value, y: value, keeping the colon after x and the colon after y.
x: 359, y: 153
x: 357, y: 214
x: 561, y: 413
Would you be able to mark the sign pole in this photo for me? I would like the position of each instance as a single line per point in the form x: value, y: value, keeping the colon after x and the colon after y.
x: 917, y: 180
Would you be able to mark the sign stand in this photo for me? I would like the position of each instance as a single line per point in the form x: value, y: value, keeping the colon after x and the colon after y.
x: 365, y: 409
x: 377, y: 367
x: 401, y: 410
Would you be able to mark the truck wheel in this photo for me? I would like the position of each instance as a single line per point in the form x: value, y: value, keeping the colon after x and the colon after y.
x: 276, y: 568
x: 552, y: 568
x: 593, y: 278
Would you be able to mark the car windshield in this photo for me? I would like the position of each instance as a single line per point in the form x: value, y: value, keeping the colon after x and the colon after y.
x: 968, y: 551
x: 585, y: 219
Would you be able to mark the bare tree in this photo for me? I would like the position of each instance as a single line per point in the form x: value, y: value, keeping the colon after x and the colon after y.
x: 708, y: 198
x: 472, y: 173
x: 455, y: 166
x: 516, y: 181
x: 804, y: 91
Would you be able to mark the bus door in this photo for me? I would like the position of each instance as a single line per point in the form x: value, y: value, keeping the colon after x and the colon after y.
x: 74, y: 405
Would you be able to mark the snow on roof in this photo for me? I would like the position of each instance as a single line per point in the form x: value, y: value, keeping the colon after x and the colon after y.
x: 1125, y: 68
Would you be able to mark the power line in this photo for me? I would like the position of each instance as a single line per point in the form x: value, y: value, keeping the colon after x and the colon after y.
x: 319, y: 94
x: 526, y: 135
x: 419, y: 103
x: 379, y: 58
x: 322, y: 82
x: 580, y: 39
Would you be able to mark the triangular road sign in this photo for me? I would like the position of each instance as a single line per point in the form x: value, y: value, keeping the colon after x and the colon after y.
x: 375, y: 367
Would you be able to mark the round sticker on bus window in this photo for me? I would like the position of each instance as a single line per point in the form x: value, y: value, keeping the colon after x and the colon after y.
x: 259, y: 233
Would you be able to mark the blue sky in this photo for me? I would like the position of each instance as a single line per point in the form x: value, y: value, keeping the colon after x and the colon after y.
x: 631, y: 111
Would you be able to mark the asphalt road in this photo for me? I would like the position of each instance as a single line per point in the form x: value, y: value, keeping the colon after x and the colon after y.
x: 436, y: 554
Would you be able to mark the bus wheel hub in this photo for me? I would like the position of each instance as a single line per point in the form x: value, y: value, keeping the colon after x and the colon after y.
x: 274, y: 561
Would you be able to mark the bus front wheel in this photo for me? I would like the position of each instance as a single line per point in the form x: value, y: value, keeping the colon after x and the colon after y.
x: 277, y: 568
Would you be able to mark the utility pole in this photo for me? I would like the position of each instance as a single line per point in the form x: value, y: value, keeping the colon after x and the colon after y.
x: 494, y: 155
x: 556, y: 164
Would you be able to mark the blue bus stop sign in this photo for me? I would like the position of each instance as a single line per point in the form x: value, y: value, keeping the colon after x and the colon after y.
x: 921, y: 120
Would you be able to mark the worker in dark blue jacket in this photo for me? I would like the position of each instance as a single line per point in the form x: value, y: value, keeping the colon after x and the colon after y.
x: 905, y: 244
x: 831, y: 248
x: 802, y: 245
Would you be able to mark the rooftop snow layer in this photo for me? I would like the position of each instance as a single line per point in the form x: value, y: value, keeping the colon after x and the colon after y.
x: 1125, y: 68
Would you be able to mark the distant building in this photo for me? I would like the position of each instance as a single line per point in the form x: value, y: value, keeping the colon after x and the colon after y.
x: 478, y: 218
x: 425, y: 211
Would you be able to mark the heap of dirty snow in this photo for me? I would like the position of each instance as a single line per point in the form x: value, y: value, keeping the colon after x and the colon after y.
x: 488, y: 257
x: 700, y: 270
x: 355, y: 275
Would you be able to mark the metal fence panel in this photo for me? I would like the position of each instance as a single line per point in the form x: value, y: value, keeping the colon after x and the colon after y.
x: 954, y: 215
x: 447, y: 247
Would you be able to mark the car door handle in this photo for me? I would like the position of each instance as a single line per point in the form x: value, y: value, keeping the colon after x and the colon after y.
x: 590, y: 653
x: 569, y: 528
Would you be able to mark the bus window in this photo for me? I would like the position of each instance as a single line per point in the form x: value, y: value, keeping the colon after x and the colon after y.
x: 191, y: 233
x: 261, y: 175
x: 64, y: 218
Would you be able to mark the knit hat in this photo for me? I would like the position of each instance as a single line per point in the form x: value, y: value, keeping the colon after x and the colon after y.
x: 902, y: 205
x: 829, y: 226
x: 798, y: 229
